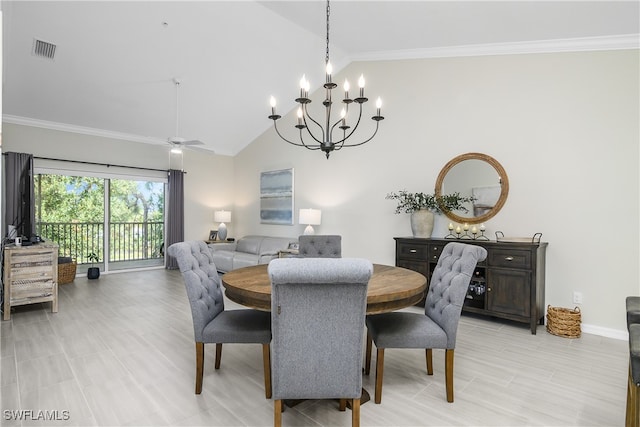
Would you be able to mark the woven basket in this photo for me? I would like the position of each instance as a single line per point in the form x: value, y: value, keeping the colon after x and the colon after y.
x: 564, y: 322
x: 67, y: 272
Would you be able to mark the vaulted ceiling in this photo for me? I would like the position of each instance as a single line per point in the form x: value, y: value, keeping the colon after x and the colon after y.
x: 115, y: 61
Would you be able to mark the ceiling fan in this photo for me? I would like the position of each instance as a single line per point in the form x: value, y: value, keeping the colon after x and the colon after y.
x: 177, y: 142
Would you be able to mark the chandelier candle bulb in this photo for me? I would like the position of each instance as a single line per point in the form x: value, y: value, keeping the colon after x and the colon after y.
x: 346, y: 89
x: 329, y: 71
x: 361, y: 85
x: 379, y: 105
x: 272, y: 101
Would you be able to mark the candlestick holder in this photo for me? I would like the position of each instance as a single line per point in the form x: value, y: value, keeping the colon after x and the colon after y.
x: 465, y: 236
x: 450, y: 235
x: 482, y: 236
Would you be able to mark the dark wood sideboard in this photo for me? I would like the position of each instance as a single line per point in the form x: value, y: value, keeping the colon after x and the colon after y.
x: 509, y: 284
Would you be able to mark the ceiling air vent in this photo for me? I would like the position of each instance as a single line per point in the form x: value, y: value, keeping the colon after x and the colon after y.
x: 43, y: 49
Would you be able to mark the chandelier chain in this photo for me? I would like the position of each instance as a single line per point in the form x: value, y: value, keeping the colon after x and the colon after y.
x: 328, y: 11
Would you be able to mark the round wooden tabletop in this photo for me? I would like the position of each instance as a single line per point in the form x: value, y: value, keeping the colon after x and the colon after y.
x: 390, y: 288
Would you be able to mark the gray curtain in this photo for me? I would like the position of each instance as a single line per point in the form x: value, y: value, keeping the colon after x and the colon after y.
x: 175, y: 219
x: 20, y: 202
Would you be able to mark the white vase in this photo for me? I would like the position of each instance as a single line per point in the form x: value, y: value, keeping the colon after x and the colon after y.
x: 422, y: 223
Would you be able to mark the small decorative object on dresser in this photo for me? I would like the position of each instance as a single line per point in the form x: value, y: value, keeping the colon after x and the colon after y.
x: 422, y: 208
x: 213, y: 235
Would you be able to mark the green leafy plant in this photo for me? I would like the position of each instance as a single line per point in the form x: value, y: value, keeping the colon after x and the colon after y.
x: 411, y: 202
x: 93, y: 257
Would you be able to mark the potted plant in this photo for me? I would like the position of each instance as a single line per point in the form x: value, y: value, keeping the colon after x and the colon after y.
x: 93, y: 272
x: 422, y: 208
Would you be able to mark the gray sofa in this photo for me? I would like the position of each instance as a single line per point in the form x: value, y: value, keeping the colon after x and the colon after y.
x: 249, y: 250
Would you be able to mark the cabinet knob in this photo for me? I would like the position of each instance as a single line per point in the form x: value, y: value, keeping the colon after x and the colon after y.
x: 488, y: 289
x: 413, y: 251
x: 508, y: 258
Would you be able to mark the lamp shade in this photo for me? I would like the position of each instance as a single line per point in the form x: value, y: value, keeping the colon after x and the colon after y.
x: 310, y: 216
x: 222, y: 216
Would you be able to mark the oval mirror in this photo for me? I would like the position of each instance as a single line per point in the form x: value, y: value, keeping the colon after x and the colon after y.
x: 474, y: 175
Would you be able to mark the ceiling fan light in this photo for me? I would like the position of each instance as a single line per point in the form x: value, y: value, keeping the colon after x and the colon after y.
x: 176, y: 150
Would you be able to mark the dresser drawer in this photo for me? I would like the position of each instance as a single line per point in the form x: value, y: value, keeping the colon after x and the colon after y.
x: 411, y: 251
x: 510, y: 258
x: 435, y: 250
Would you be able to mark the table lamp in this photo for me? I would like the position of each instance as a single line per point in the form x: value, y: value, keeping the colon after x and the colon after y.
x: 309, y: 217
x: 222, y: 217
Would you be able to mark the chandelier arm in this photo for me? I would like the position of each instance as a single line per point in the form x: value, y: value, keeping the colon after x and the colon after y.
x: 275, y: 126
x: 306, y: 116
x: 352, y: 129
x: 365, y: 141
x: 309, y: 146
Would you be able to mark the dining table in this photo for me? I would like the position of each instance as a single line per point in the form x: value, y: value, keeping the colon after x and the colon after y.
x: 390, y: 288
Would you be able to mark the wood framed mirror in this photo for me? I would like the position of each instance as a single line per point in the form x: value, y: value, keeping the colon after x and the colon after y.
x: 474, y: 175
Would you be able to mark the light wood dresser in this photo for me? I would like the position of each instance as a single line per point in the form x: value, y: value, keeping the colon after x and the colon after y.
x: 30, y: 276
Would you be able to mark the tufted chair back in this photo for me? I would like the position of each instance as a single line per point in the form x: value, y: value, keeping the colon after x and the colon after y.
x: 320, y: 246
x: 448, y: 286
x: 201, y: 281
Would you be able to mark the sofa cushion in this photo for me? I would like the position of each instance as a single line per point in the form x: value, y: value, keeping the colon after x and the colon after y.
x: 223, y: 259
x: 271, y: 245
x: 242, y: 259
x: 249, y: 244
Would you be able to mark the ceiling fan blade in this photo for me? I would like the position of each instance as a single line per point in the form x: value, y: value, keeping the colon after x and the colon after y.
x: 192, y: 142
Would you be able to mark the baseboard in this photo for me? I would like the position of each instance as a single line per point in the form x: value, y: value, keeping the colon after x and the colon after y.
x: 605, y: 332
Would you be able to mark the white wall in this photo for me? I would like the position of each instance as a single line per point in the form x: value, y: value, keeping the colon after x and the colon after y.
x: 564, y: 126
x: 208, y: 182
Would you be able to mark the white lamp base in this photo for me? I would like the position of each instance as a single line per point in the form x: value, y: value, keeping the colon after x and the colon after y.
x: 309, y: 230
x: 222, y: 231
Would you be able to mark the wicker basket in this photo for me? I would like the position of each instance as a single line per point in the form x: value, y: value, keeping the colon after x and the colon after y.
x: 564, y: 322
x: 67, y: 272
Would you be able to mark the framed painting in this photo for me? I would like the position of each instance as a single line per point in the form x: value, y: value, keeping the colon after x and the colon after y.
x: 276, y: 197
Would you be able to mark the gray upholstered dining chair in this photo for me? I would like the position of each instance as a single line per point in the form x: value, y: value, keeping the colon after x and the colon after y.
x: 211, y: 323
x: 437, y: 327
x: 320, y: 246
x: 318, y: 308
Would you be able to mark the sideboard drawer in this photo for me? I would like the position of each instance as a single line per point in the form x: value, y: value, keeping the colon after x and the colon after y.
x: 408, y: 250
x: 510, y: 258
x: 435, y: 250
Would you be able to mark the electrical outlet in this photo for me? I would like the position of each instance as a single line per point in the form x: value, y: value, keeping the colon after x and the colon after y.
x: 577, y: 297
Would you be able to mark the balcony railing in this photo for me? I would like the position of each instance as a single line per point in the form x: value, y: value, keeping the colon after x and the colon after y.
x: 128, y: 241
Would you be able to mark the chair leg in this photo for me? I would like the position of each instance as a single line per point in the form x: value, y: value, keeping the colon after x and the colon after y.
x: 355, y: 413
x: 379, y: 374
x: 277, y: 413
x: 367, y: 359
x: 199, y: 366
x: 448, y: 373
x: 266, y: 360
x: 343, y: 405
x: 429, y: 356
x: 218, y: 354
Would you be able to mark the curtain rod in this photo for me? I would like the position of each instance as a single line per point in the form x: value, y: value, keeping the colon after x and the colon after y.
x: 98, y: 164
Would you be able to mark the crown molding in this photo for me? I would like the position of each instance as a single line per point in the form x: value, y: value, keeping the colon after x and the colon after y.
x: 618, y: 42
x: 63, y: 127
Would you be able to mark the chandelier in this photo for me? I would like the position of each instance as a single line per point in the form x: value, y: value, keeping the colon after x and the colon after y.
x: 320, y: 136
